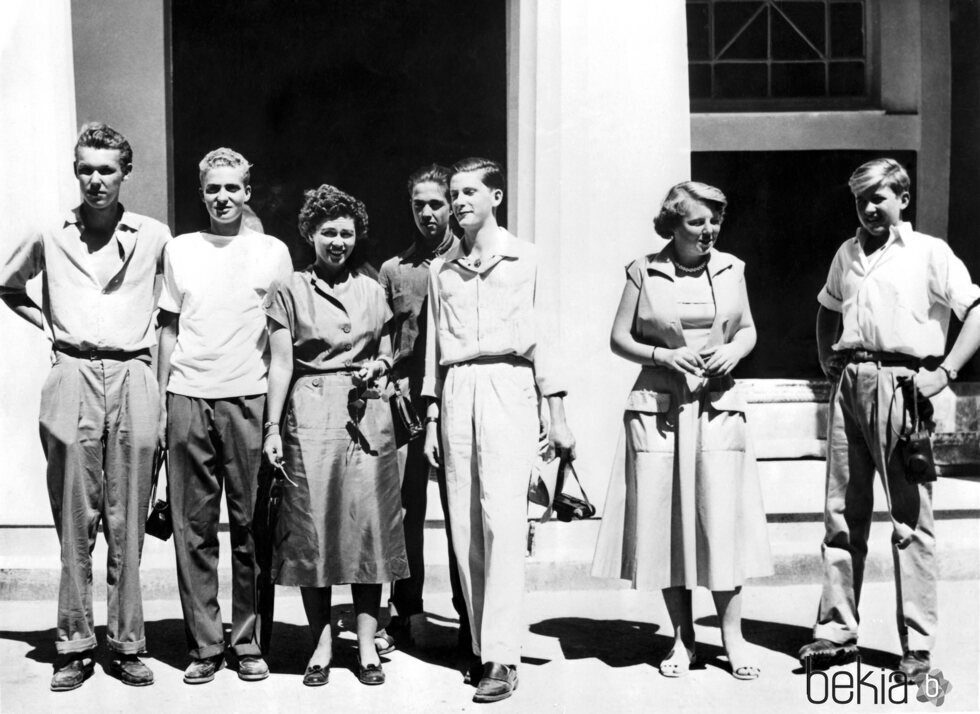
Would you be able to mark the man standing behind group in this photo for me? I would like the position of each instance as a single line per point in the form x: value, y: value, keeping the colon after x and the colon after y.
x: 99, y: 403
x: 213, y: 365
x: 405, y: 279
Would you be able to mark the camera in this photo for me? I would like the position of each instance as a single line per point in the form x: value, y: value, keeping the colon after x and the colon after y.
x: 915, y: 441
x: 920, y: 466
x: 569, y: 508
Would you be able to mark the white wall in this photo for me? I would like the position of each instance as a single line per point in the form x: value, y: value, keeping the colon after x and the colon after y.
x: 37, y: 113
x: 600, y: 132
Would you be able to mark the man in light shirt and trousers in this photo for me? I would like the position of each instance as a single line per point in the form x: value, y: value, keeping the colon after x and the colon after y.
x: 882, y: 320
x: 98, y: 407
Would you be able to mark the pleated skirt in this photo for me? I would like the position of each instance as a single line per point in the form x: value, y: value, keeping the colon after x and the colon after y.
x: 685, y: 506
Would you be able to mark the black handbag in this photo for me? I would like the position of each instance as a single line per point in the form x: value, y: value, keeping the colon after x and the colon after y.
x: 408, y: 426
x: 159, y: 522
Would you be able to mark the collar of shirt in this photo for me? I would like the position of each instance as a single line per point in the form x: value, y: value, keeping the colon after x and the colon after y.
x: 126, y: 229
x: 661, y: 263
x: 508, y: 249
x: 898, y: 232
x: 335, y: 292
x: 419, y: 252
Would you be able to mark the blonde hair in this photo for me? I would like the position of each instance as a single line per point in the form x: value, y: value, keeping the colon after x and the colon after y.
x: 880, y: 172
x: 678, y: 201
x: 225, y: 157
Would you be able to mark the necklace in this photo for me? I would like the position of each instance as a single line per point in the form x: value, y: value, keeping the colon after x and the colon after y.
x: 696, y: 269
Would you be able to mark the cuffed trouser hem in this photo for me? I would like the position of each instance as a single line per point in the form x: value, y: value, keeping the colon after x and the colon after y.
x: 835, y: 634
x: 249, y: 650
x: 71, y: 646
x: 209, y: 651
x: 133, y: 647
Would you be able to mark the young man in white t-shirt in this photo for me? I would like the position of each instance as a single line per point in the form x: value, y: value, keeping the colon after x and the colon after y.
x: 213, y: 367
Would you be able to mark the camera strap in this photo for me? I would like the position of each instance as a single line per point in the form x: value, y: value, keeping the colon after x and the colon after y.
x: 901, y: 533
x: 567, y: 464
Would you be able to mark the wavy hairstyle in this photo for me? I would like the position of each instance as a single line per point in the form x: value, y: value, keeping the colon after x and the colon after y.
x: 678, y: 202
x: 98, y: 135
x: 327, y: 203
x: 224, y: 156
x: 491, y: 172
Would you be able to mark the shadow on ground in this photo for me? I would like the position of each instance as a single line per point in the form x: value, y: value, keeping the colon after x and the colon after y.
x: 624, y: 643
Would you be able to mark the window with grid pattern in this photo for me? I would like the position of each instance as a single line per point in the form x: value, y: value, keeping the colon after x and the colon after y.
x: 778, y: 53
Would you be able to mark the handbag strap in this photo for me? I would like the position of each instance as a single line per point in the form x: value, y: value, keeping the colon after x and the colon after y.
x: 159, y: 461
x: 568, y: 464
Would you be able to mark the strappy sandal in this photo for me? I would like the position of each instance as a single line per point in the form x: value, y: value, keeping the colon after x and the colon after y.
x: 746, y: 672
x: 676, y: 669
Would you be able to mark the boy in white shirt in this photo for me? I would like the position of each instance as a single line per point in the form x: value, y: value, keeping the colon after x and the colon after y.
x: 882, y: 319
x: 213, y: 367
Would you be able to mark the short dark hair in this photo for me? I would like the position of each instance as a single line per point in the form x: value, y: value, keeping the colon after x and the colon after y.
x: 492, y: 173
x: 678, y: 201
x: 328, y: 202
x: 433, y: 173
x: 98, y: 135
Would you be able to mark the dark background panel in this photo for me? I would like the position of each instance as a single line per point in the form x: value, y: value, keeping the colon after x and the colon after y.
x: 357, y: 94
x: 964, y: 169
x: 788, y: 212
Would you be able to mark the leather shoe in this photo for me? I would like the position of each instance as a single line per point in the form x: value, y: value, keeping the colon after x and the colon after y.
x: 252, y: 668
x: 203, y: 670
x: 72, y: 672
x: 823, y: 653
x: 129, y: 669
x: 370, y: 674
x: 316, y: 676
x: 499, y: 682
x: 914, y: 664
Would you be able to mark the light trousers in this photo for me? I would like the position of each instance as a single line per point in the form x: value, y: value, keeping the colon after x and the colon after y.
x: 865, y: 418
x: 490, y: 433
x: 98, y: 430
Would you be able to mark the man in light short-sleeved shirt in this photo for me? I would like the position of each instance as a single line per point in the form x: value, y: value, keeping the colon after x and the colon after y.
x: 213, y: 366
x: 882, y: 320
x: 99, y: 264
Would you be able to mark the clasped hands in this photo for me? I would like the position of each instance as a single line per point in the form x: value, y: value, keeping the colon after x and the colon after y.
x: 714, y: 361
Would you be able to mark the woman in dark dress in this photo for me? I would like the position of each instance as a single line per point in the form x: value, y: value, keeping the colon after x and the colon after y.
x: 340, y: 519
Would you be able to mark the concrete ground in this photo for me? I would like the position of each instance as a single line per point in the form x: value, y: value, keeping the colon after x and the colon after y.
x: 585, y: 651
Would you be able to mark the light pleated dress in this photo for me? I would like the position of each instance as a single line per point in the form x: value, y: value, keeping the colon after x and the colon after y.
x: 684, y: 506
x: 342, y: 521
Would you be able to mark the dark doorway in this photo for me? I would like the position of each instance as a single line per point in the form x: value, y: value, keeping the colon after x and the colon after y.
x: 788, y: 213
x: 357, y: 94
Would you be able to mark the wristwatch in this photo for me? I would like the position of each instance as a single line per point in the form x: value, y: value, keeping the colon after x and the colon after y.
x: 951, y: 374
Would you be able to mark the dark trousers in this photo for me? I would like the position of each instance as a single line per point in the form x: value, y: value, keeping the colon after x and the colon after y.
x: 215, y: 444
x: 406, y: 595
x: 98, y: 431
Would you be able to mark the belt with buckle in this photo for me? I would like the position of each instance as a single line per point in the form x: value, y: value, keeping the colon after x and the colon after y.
x: 94, y: 355
x: 892, y: 359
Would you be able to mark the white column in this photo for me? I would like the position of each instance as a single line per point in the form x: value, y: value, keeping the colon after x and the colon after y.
x: 599, y: 126
x: 37, y: 113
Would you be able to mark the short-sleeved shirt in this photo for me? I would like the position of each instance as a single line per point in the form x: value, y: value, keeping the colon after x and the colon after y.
x: 405, y: 279
x: 335, y: 327
x: 81, y: 312
x: 217, y: 284
x: 487, y: 310
x: 898, y: 299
